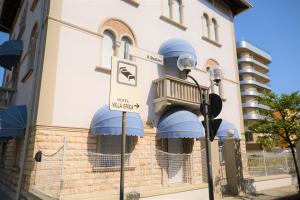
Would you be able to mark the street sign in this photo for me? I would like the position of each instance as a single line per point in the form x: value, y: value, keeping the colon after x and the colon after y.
x: 146, y: 55
x: 124, y: 88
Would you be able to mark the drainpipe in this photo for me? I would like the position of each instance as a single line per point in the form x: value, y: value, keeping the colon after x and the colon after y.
x: 35, y: 88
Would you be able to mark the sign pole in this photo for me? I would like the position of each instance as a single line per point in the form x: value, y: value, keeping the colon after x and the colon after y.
x: 123, y: 155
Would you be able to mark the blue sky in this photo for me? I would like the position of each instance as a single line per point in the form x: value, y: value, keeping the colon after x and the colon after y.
x: 274, y: 25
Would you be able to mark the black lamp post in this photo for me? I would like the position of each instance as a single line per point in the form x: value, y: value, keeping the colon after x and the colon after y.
x: 185, y: 63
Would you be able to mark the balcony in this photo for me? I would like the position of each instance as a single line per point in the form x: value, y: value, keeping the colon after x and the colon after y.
x: 256, y: 83
x: 247, y: 45
x: 176, y: 92
x: 256, y: 73
x: 6, y: 97
x: 253, y: 61
x: 255, y: 105
x: 253, y: 117
x: 251, y: 93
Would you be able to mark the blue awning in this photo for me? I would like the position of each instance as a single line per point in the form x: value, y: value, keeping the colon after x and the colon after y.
x: 108, y: 122
x: 10, y: 52
x: 13, y: 121
x: 175, y: 47
x: 179, y: 123
x: 225, y: 128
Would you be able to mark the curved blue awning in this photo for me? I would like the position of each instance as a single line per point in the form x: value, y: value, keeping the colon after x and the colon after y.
x: 179, y: 123
x: 108, y: 122
x: 10, y: 52
x: 13, y: 121
x: 224, y: 128
x: 175, y: 47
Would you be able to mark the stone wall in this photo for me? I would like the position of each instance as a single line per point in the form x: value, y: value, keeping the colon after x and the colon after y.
x: 72, y: 170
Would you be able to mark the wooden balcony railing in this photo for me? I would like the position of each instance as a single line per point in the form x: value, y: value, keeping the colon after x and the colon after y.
x: 177, y: 92
x: 6, y: 97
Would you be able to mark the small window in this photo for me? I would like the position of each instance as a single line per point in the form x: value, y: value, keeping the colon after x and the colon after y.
x: 109, y: 41
x: 33, y: 5
x: 22, y: 21
x: 166, y: 8
x: 176, y: 11
x: 110, y: 150
x: 206, y: 26
x: 215, y: 35
x: 123, y: 51
x: 31, y: 53
x: 173, y: 10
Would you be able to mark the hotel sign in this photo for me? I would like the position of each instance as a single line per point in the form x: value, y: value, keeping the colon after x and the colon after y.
x: 124, y: 87
x: 146, y: 55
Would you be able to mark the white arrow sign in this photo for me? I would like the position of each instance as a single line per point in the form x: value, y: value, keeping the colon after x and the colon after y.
x: 146, y: 55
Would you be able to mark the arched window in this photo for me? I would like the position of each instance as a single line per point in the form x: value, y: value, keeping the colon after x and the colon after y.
x: 32, y: 47
x: 31, y: 54
x: 166, y: 6
x: 206, y: 26
x: 176, y: 11
x: 109, y: 41
x: 173, y: 10
x: 122, y: 53
x: 215, y: 35
x: 116, y: 34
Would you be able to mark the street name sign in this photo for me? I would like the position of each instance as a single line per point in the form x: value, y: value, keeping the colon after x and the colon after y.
x: 146, y: 55
x: 124, y: 87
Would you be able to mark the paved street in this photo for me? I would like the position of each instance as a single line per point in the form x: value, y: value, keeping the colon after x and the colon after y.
x: 282, y: 193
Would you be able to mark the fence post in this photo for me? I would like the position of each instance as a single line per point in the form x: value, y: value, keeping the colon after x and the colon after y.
x: 286, y: 162
x: 265, y: 164
x: 62, y: 170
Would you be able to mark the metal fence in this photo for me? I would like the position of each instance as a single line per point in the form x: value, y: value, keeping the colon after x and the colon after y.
x: 69, y: 174
x: 270, y: 163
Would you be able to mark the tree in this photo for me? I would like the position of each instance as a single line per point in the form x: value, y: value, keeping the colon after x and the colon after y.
x: 282, y: 120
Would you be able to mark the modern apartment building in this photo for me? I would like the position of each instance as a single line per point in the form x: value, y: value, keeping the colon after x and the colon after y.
x: 60, y: 140
x: 254, y: 81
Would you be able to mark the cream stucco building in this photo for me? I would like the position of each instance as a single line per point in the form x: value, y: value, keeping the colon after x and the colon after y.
x: 62, y: 77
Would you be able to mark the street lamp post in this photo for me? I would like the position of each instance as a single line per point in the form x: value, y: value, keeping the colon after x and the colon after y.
x: 185, y: 63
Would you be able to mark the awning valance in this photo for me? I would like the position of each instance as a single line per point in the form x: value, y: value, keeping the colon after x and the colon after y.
x: 179, y: 123
x: 10, y: 52
x: 13, y: 121
x: 226, y: 130
x: 107, y: 122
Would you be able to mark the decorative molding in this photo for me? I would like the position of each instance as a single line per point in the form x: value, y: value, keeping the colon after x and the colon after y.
x: 119, y: 27
x: 170, y: 21
x: 211, y: 41
x: 134, y: 3
x: 103, y: 69
x: 70, y: 25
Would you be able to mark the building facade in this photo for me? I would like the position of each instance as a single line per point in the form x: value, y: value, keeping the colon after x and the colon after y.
x: 254, y: 78
x: 69, y: 146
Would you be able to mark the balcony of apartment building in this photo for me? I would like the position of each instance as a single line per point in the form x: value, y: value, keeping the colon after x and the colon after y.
x: 257, y: 64
x: 255, y: 83
x: 259, y: 76
x: 172, y: 91
x: 254, y: 104
x: 258, y: 54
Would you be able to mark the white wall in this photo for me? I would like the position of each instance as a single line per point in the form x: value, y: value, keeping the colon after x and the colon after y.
x: 80, y: 90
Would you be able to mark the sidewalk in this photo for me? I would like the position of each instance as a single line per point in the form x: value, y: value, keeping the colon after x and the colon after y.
x: 282, y: 193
